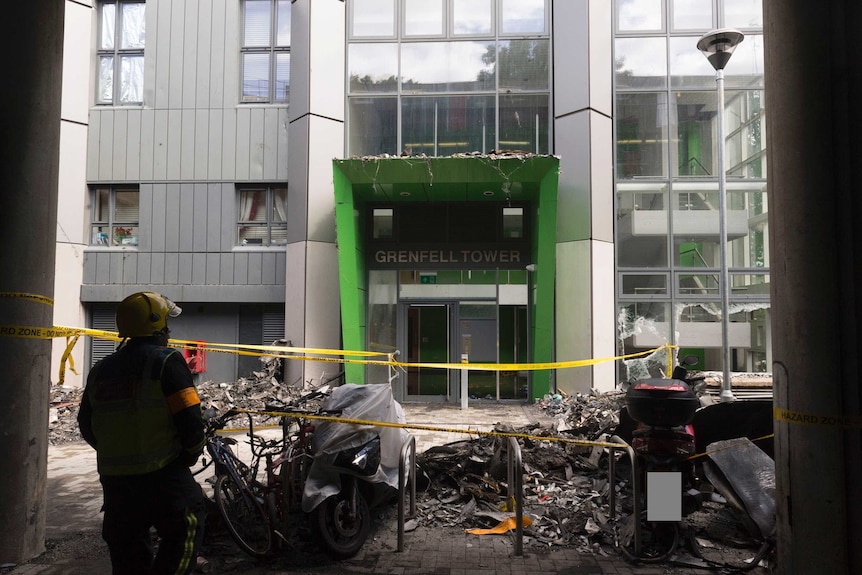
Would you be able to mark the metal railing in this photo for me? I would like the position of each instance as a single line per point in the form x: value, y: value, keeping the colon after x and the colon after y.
x: 408, y: 449
x: 515, y: 474
x: 636, y: 488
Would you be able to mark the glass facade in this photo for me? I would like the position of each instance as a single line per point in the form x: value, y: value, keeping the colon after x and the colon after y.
x: 667, y: 190
x: 443, y: 77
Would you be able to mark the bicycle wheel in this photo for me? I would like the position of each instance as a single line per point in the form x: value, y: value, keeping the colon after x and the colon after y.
x: 244, y: 516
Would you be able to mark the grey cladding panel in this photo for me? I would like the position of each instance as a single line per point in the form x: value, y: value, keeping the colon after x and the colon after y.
x: 228, y: 216
x: 271, y: 131
x: 148, y: 126
x: 240, y: 268
x: 229, y: 149
x: 106, y: 148
x: 199, y: 218
x: 217, y: 52
x: 177, y: 47
x: 154, y: 213
x: 118, y: 139
x: 213, y: 268
x: 216, y: 141
x: 187, y: 214
x: 243, y: 140
x: 163, y: 54
x: 214, y: 222
x: 255, y: 268
x: 199, y: 268
x: 184, y: 277
x: 175, y: 140
x: 226, y: 268
x: 190, y: 50
x: 256, y: 143
x: 204, y: 58
x: 160, y: 145
x: 93, y: 140
x: 133, y: 145
x: 172, y: 268
x: 202, y: 144
x: 172, y: 215
x: 187, y: 145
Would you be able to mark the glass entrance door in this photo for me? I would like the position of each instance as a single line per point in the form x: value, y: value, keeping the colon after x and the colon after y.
x: 428, y: 341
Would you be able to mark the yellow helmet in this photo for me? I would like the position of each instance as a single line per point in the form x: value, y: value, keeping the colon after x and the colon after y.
x: 145, y: 314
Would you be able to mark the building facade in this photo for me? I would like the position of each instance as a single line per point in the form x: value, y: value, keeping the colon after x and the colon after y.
x: 504, y: 181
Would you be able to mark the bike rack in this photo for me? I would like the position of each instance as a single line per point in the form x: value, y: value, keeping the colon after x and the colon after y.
x: 515, y: 473
x: 407, y: 449
x: 635, y: 488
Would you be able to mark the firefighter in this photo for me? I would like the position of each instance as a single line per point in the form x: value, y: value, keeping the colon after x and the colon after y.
x: 141, y: 412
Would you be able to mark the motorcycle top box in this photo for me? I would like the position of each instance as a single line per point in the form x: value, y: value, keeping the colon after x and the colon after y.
x: 657, y: 401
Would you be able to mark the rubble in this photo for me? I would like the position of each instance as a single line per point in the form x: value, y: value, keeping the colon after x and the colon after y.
x: 566, y: 487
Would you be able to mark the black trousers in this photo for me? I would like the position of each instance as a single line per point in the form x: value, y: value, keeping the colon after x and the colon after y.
x: 171, y: 501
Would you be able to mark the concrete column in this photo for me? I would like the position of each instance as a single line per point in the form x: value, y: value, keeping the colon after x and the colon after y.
x: 315, y: 137
x: 813, y: 82
x: 583, y: 138
x: 32, y: 34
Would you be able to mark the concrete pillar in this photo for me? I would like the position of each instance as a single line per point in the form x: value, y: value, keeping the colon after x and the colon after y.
x: 585, y: 316
x: 32, y: 36
x: 813, y: 82
x: 315, y: 137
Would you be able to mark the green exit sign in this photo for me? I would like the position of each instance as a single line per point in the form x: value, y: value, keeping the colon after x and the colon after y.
x: 428, y: 279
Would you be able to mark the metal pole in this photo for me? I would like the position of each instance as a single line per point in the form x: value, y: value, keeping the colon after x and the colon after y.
x: 723, y: 278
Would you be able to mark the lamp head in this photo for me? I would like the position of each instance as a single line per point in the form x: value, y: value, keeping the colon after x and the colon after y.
x: 718, y: 45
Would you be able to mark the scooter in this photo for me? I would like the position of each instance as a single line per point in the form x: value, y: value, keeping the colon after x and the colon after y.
x: 354, y: 466
x: 663, y: 442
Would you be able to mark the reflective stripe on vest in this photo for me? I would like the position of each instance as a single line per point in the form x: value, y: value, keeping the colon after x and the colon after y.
x: 136, y: 434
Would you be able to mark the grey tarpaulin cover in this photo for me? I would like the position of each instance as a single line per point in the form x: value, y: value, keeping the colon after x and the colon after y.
x: 745, y: 476
x: 370, y: 402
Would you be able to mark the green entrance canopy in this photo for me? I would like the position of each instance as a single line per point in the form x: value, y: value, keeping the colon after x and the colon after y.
x: 463, y: 178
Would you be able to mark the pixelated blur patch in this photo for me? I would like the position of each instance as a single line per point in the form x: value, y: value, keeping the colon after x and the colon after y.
x: 664, y: 496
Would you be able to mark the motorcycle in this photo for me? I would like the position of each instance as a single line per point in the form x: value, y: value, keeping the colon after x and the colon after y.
x: 354, y: 466
x: 664, y: 441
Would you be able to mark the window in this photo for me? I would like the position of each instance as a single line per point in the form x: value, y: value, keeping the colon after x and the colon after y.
x: 441, y: 77
x: 262, y: 216
x: 122, y: 31
x: 115, y: 213
x: 266, y: 51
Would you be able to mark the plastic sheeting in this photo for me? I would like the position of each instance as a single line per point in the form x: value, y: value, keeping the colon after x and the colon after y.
x: 370, y: 402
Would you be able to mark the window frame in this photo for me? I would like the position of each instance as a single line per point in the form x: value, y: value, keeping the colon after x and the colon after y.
x: 113, y: 223
x: 117, y: 53
x: 268, y: 224
x: 273, y: 51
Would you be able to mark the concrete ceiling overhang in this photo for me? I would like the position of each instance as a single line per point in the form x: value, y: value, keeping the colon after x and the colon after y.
x: 470, y: 178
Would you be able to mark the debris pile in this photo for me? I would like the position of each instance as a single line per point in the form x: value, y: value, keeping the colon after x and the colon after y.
x: 565, y: 491
x: 253, y: 393
x: 590, y: 415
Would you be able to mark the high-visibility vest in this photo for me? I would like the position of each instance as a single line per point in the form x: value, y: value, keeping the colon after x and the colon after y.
x: 132, y: 423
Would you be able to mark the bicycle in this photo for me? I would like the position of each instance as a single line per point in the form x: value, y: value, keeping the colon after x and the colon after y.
x: 244, y: 503
x: 256, y: 512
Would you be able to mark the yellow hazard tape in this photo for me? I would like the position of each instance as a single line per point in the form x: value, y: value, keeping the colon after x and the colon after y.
x: 308, y: 354
x: 799, y: 417
x: 336, y: 419
x: 29, y: 296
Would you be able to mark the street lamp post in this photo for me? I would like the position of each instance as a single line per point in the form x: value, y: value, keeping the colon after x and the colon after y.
x: 717, y: 46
